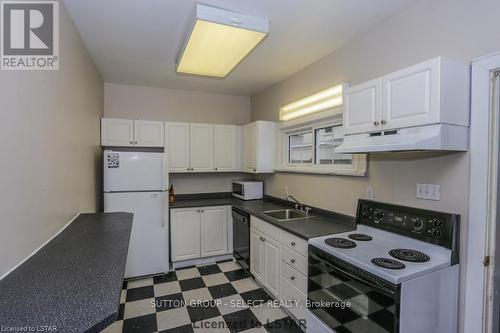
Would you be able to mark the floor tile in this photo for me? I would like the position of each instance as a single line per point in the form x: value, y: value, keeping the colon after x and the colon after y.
x: 237, y: 275
x: 124, y: 286
x: 215, y: 279
x: 256, y: 297
x: 143, y: 324
x: 139, y: 283
x: 172, y: 318
x: 123, y: 296
x: 228, y: 266
x: 212, y: 325
x: 241, y: 320
x: 202, y: 312
x: 116, y: 327
x: 187, y: 273
x: 245, y: 285
x: 168, y: 277
x: 167, y: 288
x: 256, y: 330
x: 140, y: 293
x: 231, y: 303
x: 164, y: 303
x: 209, y: 269
x: 193, y: 283
x: 196, y: 295
x: 181, y: 329
x: 267, y: 313
x: 121, y: 311
x: 287, y: 325
x: 139, y: 308
x: 222, y: 290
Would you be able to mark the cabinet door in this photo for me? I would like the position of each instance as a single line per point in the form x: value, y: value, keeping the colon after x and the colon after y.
x: 148, y: 133
x: 178, y: 147
x: 202, y: 147
x: 185, y: 233
x: 271, y: 265
x: 226, y: 147
x: 117, y: 132
x: 411, y: 96
x: 250, y: 153
x: 256, y: 254
x: 213, y: 231
x: 363, y: 107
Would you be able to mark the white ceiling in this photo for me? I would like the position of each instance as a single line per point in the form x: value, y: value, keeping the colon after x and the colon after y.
x: 137, y: 41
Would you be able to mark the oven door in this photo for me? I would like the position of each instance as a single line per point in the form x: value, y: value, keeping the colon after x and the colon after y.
x: 346, y: 297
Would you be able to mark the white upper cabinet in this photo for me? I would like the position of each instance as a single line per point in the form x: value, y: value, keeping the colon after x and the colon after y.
x: 117, y: 132
x: 259, y: 147
x: 177, y: 145
x: 201, y: 140
x: 364, y: 103
x: 149, y: 133
x: 227, y: 148
x: 131, y: 133
x: 434, y: 91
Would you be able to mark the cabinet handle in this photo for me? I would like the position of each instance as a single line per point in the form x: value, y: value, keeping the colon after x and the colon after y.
x: 131, y: 142
x: 135, y: 142
x: 254, y: 170
x: 201, y: 211
x: 292, y: 261
x: 262, y: 239
x: 383, y: 122
x: 292, y: 277
x: 292, y: 243
x: 376, y: 123
x: 216, y: 169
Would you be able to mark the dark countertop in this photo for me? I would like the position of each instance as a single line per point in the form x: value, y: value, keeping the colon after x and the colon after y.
x: 323, y: 223
x: 74, y: 282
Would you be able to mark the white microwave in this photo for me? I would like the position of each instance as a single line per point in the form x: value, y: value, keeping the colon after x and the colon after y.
x: 247, y: 189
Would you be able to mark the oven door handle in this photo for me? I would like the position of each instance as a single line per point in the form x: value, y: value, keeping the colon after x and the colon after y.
x: 361, y: 280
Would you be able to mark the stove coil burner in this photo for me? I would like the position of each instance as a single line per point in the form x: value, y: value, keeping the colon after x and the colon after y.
x: 388, y: 263
x: 340, y: 243
x: 360, y: 237
x: 409, y: 255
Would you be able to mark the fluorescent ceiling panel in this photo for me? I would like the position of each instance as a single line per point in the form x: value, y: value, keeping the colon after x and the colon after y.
x: 321, y: 101
x: 219, y: 40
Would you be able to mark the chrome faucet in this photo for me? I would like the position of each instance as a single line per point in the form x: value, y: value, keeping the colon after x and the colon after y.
x: 298, y: 205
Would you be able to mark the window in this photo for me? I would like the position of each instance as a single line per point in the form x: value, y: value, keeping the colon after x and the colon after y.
x: 311, y: 149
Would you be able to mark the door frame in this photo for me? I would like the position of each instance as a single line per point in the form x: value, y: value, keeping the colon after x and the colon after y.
x: 478, y: 305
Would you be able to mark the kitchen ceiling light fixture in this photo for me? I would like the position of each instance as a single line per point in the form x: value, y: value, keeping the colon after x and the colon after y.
x: 321, y: 101
x: 219, y: 40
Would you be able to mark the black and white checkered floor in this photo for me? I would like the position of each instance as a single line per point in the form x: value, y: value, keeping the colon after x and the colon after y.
x: 172, y: 303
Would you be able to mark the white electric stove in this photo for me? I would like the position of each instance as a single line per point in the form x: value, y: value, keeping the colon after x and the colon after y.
x: 397, y: 272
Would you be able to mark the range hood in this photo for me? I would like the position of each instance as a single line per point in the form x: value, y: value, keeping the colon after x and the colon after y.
x: 436, y: 137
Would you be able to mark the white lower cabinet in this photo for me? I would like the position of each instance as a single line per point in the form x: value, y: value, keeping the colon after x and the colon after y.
x: 272, y: 265
x: 199, y: 232
x: 256, y: 254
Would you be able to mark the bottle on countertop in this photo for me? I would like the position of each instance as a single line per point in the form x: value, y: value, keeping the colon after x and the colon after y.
x: 171, y: 195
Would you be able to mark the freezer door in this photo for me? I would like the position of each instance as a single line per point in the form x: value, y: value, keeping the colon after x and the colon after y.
x: 148, y: 248
x: 134, y: 171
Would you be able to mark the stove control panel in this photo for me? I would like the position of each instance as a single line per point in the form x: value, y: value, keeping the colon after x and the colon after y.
x: 426, y: 225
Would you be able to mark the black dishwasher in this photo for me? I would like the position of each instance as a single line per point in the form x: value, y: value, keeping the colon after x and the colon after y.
x: 241, y: 238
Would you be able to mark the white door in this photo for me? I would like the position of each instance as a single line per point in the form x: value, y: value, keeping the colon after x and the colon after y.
x: 148, y: 246
x: 148, y: 133
x: 178, y: 147
x: 202, y: 147
x: 271, y: 265
x: 250, y: 154
x: 363, y: 107
x: 185, y: 233
x: 213, y: 231
x: 256, y: 254
x: 225, y: 147
x: 117, y: 132
x: 411, y: 96
x: 133, y: 171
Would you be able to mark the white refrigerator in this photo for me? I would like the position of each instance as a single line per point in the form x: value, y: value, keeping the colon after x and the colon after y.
x: 137, y: 182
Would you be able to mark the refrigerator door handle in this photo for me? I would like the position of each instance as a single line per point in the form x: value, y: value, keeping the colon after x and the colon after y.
x: 163, y: 221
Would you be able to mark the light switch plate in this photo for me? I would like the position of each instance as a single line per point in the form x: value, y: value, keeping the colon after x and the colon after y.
x: 429, y: 192
x: 370, y: 193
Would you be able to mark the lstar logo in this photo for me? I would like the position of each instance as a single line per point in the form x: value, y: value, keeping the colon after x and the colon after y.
x: 29, y: 35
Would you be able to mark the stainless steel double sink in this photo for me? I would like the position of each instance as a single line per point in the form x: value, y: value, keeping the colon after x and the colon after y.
x: 287, y: 214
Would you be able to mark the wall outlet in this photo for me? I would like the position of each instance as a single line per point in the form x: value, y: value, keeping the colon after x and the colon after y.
x: 429, y: 191
x: 370, y: 193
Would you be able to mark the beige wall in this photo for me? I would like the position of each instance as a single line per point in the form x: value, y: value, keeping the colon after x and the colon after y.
x: 49, y: 139
x: 462, y: 30
x: 136, y: 102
